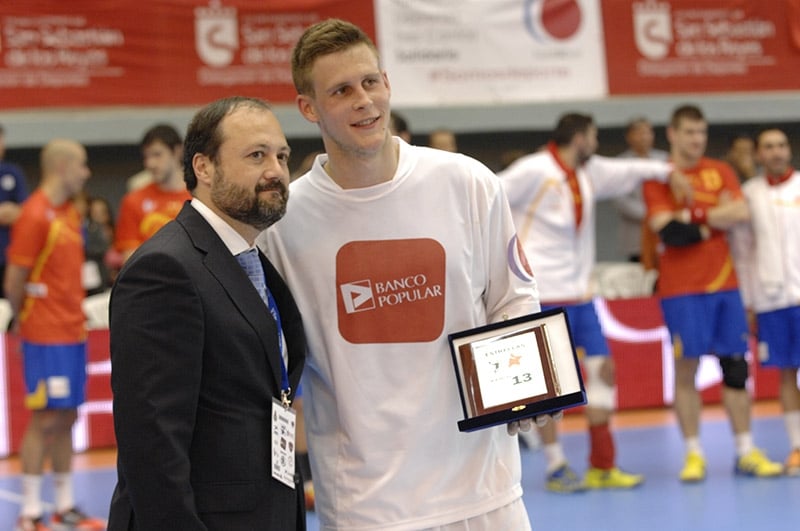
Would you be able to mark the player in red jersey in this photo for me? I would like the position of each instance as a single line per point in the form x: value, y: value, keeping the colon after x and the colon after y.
x: 700, y: 299
x: 144, y: 211
x: 43, y: 285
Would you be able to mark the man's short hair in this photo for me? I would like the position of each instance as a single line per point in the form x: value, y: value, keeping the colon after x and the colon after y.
x: 164, y: 133
x: 686, y: 112
x: 569, y: 125
x: 203, y: 134
x: 323, y: 38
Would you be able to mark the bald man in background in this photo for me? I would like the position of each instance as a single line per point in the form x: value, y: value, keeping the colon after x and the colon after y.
x: 43, y: 285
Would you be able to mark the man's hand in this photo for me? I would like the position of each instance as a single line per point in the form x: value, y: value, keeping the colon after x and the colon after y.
x: 527, y: 423
x: 681, y: 187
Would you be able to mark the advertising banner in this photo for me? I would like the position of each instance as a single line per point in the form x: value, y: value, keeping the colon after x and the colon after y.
x: 690, y: 46
x: 160, y: 52
x: 461, y: 52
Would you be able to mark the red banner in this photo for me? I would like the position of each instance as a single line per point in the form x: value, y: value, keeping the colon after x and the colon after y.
x: 690, y: 46
x: 160, y: 52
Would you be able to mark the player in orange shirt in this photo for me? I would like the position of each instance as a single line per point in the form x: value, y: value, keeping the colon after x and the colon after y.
x: 43, y: 285
x: 700, y: 299
x: 144, y: 211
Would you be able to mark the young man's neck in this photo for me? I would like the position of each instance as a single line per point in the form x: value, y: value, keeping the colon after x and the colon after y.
x: 54, y: 191
x: 568, y: 156
x: 683, y: 162
x: 351, y: 171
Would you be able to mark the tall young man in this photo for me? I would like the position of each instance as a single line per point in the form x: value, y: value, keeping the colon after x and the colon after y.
x: 388, y: 248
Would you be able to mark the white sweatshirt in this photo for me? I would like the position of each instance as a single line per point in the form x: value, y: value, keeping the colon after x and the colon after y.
x: 382, y: 275
x: 563, y: 254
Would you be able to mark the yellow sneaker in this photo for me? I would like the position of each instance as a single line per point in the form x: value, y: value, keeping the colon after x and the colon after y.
x: 694, y: 468
x: 756, y: 464
x: 793, y: 463
x: 613, y: 478
x: 564, y: 480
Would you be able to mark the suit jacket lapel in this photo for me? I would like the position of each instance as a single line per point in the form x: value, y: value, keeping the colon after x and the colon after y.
x: 224, y: 267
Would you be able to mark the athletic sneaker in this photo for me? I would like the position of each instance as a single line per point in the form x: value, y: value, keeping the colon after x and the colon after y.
x: 76, y: 520
x: 564, y: 480
x: 694, y: 469
x: 793, y: 463
x: 613, y: 478
x: 756, y: 464
x: 26, y: 523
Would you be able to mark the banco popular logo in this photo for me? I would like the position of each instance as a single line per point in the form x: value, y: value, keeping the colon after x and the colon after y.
x: 216, y: 34
x: 357, y: 296
x: 549, y: 20
x: 390, y: 291
x: 652, y: 28
x: 360, y: 296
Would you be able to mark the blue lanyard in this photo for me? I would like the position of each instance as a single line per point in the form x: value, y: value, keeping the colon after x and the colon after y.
x: 273, y: 309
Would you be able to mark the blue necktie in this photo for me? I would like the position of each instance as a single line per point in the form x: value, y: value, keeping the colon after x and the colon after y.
x: 251, y: 264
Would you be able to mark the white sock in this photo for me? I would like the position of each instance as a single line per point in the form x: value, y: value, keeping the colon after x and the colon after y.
x: 63, y: 488
x: 744, y: 443
x: 792, y: 421
x: 693, y: 446
x: 32, y: 496
x: 554, y: 454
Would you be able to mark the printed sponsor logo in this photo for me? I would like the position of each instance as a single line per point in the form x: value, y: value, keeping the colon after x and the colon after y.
x: 216, y: 34
x: 677, y: 39
x: 357, y: 296
x: 552, y: 20
x: 652, y: 28
x: 243, y: 47
x: 391, y: 291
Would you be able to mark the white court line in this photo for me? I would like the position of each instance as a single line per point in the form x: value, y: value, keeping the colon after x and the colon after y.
x: 15, y: 497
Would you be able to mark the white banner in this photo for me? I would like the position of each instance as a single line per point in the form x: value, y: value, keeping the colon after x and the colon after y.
x: 466, y: 52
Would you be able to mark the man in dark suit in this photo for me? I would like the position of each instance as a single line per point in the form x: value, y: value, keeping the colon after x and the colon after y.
x: 202, y: 373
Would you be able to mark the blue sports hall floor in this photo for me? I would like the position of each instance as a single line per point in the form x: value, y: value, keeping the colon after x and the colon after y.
x: 723, y: 501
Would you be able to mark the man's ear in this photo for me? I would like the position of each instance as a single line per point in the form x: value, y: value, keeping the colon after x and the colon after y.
x: 386, y: 82
x: 306, y: 107
x: 203, y: 168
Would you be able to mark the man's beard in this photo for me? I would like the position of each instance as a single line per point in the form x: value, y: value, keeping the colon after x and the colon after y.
x: 246, y: 206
